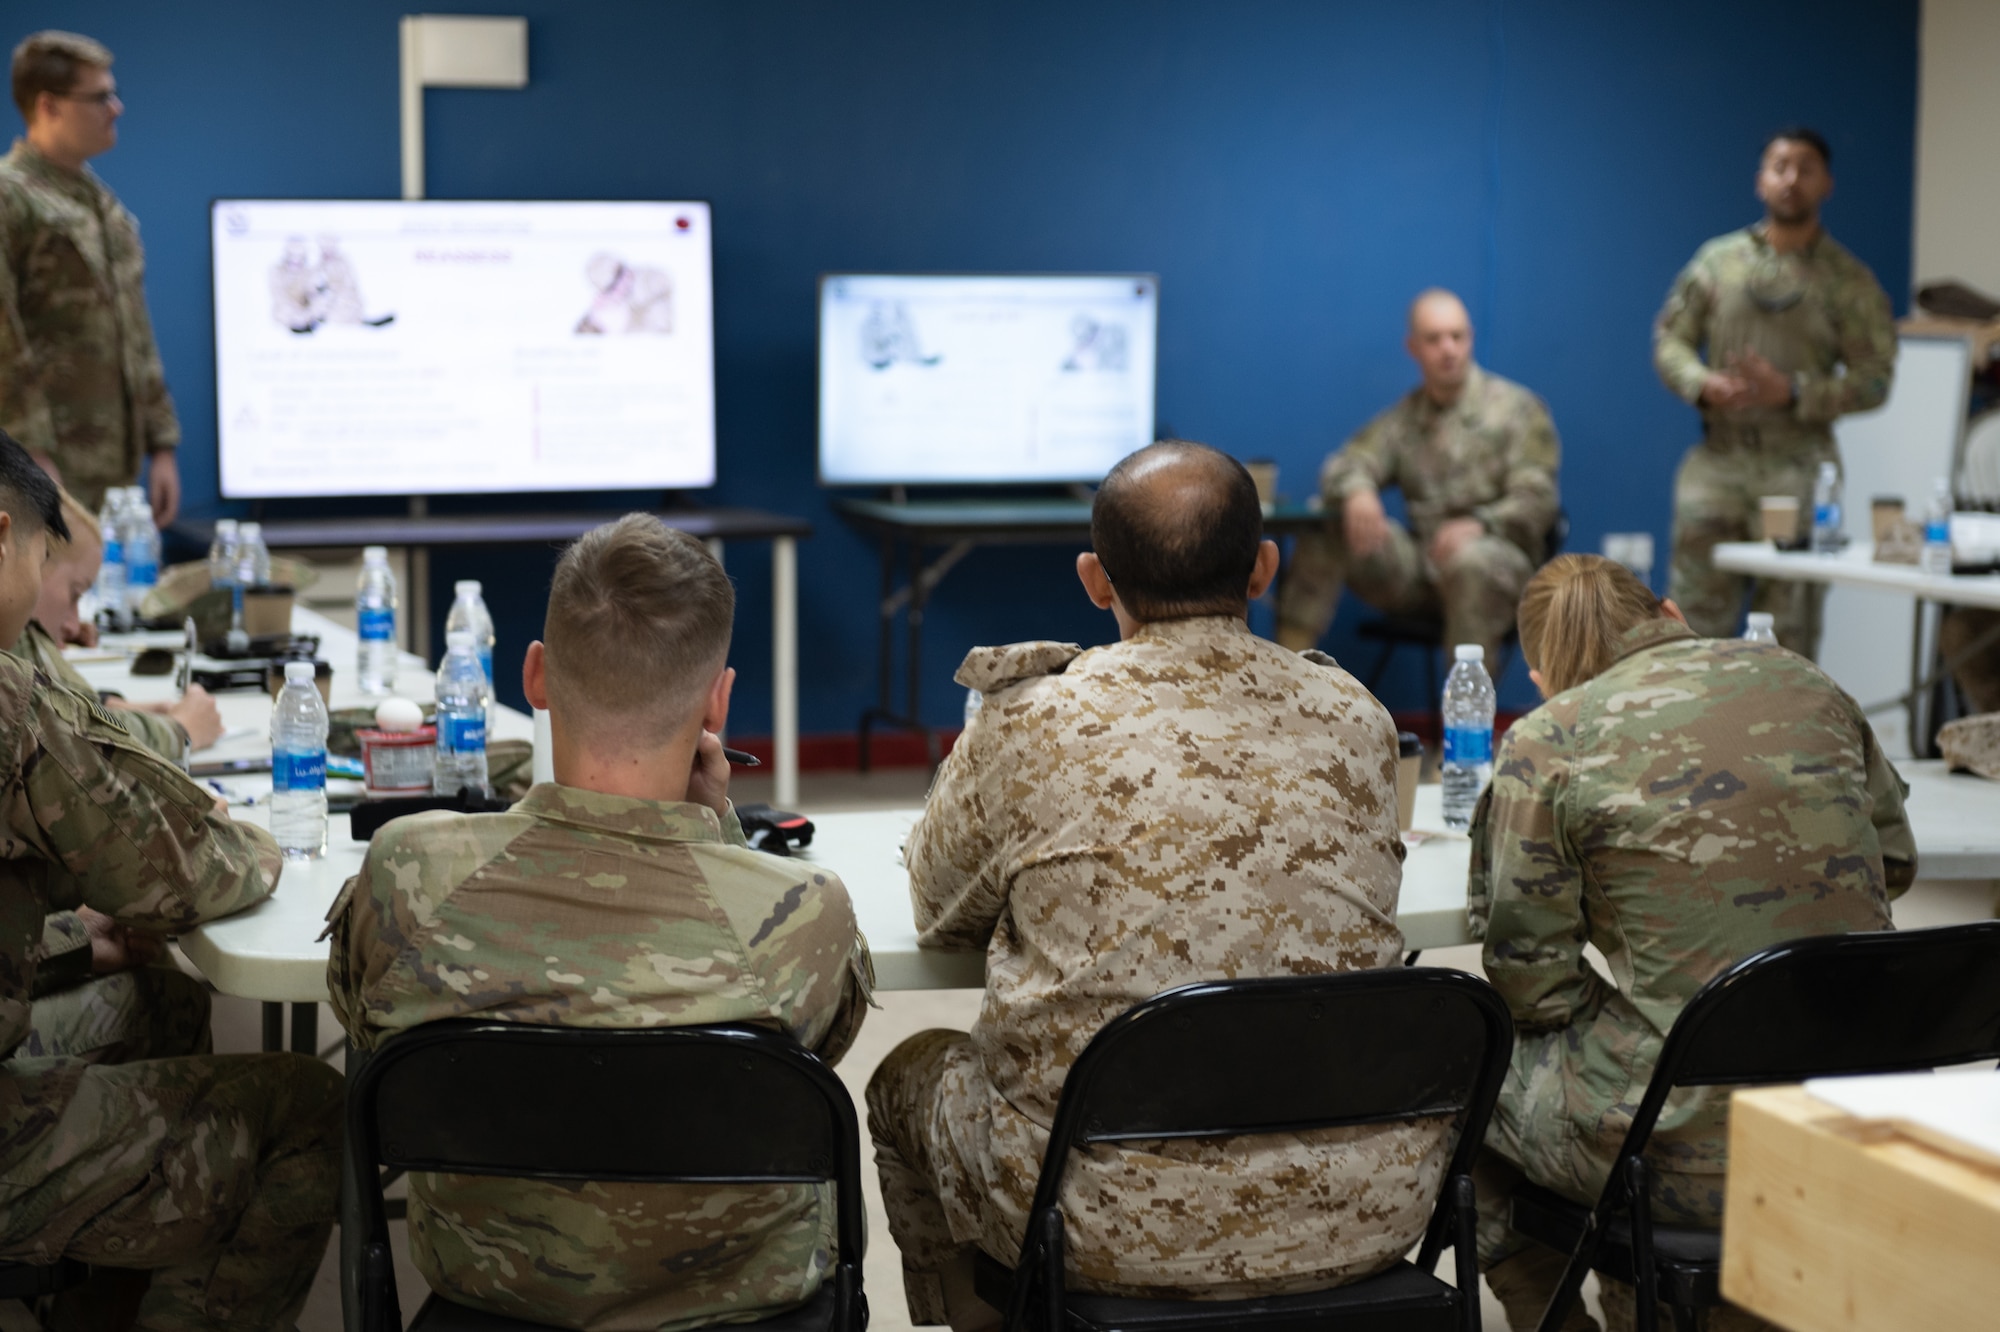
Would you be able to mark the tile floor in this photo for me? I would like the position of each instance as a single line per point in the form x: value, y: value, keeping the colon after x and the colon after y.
x: 902, y: 1014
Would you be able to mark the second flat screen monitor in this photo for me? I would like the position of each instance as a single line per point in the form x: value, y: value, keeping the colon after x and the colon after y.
x: 983, y: 379
x: 430, y: 348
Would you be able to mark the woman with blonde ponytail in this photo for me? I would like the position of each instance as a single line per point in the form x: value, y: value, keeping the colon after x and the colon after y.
x: 1681, y: 803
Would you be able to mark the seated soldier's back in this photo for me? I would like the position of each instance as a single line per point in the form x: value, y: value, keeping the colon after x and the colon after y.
x: 1192, y: 803
x: 583, y: 909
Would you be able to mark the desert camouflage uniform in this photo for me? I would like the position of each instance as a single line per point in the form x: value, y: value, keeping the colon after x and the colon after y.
x: 217, y: 1174
x: 1700, y: 800
x: 1819, y: 316
x: 80, y: 375
x: 1190, y: 804
x: 162, y: 735
x: 1492, y: 455
x: 589, y: 910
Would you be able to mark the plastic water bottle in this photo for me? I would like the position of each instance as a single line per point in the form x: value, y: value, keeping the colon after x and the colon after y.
x: 111, y: 574
x: 1937, y: 530
x: 222, y: 554
x: 462, y: 696
x: 1758, y: 627
x: 375, y: 617
x: 298, y: 765
x: 468, y: 613
x: 253, y: 558
x: 1468, y: 734
x: 1826, y: 510
x: 141, y: 549
x: 974, y: 701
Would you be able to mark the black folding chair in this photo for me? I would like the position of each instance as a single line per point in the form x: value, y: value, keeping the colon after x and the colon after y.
x: 1848, y: 1003
x: 687, y: 1105
x: 1227, y: 1058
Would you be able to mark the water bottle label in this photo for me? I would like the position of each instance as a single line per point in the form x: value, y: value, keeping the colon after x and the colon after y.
x: 1938, y: 534
x: 486, y: 664
x: 142, y: 575
x: 1826, y: 515
x: 1468, y: 746
x: 461, y: 734
x: 378, y: 624
x: 298, y: 770
x: 114, y: 551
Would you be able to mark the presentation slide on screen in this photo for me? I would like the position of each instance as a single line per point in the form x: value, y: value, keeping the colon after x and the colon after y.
x: 371, y: 348
x: 983, y: 378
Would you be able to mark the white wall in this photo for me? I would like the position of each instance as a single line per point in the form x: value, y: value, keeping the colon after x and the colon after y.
x: 1958, y: 130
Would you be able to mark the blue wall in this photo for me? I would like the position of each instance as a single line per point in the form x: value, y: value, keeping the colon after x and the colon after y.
x: 1293, y: 171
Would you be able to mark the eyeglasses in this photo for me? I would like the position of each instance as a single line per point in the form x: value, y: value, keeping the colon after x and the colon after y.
x: 105, y: 98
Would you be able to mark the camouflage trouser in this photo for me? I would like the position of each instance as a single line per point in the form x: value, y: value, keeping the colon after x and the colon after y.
x: 211, y: 1178
x: 1532, y: 1138
x: 1716, y: 494
x: 1978, y: 676
x: 1195, y: 1218
x: 1477, y: 593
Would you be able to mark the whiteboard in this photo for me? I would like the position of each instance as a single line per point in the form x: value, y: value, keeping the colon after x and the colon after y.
x: 1900, y: 448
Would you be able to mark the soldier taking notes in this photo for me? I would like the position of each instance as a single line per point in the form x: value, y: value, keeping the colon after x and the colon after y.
x: 1190, y: 802
x: 200, y: 1187
x: 1476, y: 458
x: 620, y: 895
x: 1774, y: 332
x: 80, y: 380
x: 1681, y: 803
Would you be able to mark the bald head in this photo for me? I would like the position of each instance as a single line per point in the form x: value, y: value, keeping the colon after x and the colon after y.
x: 1440, y: 341
x: 1176, y: 528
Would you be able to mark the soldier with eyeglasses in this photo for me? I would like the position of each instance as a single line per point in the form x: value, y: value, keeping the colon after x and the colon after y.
x: 1773, y: 332
x: 81, y: 386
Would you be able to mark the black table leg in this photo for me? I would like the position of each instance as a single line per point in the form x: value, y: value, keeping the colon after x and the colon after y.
x: 274, y: 1028
x: 305, y: 1029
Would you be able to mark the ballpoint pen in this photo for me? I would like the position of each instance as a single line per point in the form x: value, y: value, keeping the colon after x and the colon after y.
x: 181, y: 685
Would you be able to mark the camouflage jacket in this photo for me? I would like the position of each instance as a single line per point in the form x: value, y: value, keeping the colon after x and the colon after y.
x: 1698, y: 801
x: 1492, y: 455
x: 162, y: 735
x: 80, y: 375
x: 1190, y: 804
x: 1818, y: 315
x: 583, y: 909
x: 92, y: 819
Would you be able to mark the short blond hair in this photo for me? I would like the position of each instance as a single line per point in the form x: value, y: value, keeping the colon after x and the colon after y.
x: 638, y: 624
x: 1574, y: 611
x: 50, y: 62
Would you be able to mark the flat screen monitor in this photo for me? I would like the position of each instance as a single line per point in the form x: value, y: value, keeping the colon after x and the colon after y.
x: 983, y: 378
x: 440, y: 347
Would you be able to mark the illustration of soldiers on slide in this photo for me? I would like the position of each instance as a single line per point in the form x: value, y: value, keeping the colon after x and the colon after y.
x: 305, y: 295
x: 888, y: 336
x: 628, y: 299
x: 1098, y: 346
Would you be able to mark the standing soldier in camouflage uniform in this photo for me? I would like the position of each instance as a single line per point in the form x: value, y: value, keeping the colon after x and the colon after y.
x: 1190, y: 802
x: 80, y: 379
x: 169, y: 730
x: 1476, y: 458
x: 622, y: 895
x: 1681, y: 803
x: 1797, y: 333
x: 204, y: 1186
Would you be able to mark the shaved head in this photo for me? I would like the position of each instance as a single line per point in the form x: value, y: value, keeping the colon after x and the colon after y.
x: 1176, y: 527
x: 1440, y: 342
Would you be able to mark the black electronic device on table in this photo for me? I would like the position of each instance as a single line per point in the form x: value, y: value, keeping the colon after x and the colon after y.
x: 778, y: 831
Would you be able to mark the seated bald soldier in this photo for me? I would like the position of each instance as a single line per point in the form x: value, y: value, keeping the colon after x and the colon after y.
x: 620, y: 895
x: 1190, y: 802
x: 1475, y: 456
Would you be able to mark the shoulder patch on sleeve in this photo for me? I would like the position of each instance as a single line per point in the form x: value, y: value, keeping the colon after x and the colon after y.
x: 989, y: 668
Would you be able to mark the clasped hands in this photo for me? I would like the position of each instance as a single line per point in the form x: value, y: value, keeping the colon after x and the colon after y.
x: 1746, y: 380
x: 1366, y: 528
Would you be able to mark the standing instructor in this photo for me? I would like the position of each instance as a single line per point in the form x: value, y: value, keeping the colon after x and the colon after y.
x: 1796, y: 332
x: 80, y: 380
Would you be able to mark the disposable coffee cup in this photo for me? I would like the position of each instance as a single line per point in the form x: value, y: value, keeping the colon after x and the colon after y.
x: 1780, y: 517
x: 1885, y: 516
x: 1264, y: 475
x: 267, y: 610
x: 1409, y: 767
